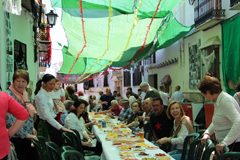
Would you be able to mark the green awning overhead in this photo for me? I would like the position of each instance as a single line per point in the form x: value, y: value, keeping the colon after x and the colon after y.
x: 96, y: 15
x: 230, y: 53
x: 83, y: 64
x: 170, y: 32
x: 124, y: 6
x: 96, y: 29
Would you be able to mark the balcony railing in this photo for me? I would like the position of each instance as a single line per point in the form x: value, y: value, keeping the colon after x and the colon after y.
x: 234, y: 2
x: 207, y: 9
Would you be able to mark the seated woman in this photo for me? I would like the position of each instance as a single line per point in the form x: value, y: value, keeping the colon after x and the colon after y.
x: 133, y: 120
x: 182, y: 128
x: 75, y: 121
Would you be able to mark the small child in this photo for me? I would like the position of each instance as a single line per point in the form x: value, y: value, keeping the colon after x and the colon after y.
x: 58, y: 96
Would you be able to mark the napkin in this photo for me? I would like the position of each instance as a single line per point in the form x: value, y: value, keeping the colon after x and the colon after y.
x: 94, y: 143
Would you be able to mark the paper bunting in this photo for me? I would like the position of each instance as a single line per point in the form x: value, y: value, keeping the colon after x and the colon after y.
x: 129, y: 38
x: 85, y: 42
x: 109, y: 20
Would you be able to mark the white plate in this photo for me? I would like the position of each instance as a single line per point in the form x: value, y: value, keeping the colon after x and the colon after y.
x: 155, y: 147
x: 146, y: 156
x: 142, y: 150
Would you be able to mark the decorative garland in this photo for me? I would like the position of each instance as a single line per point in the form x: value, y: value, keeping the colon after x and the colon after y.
x: 141, y: 49
x: 130, y: 36
x: 109, y: 20
x: 84, y: 36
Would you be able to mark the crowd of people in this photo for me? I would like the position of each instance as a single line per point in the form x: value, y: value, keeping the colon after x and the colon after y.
x: 55, y: 110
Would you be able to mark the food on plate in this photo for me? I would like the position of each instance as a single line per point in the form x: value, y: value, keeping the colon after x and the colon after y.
x: 164, y: 158
x: 148, y: 158
x: 142, y: 144
x: 138, y: 150
x: 125, y: 148
x: 126, y: 130
x: 143, y: 154
x: 116, y: 143
x: 125, y: 152
x: 125, y: 139
x: 111, y: 134
x: 152, y: 147
x: 130, y: 143
x: 127, y: 156
x: 136, y: 146
x: 98, y: 116
x: 160, y: 154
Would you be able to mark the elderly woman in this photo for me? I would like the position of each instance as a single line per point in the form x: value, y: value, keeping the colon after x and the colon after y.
x: 226, y: 117
x: 133, y: 120
x: 22, y: 138
x: 182, y: 128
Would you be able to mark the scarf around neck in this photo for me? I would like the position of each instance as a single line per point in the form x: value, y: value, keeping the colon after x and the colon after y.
x: 23, y: 98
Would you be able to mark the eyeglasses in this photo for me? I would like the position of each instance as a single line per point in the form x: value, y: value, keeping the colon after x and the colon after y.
x: 155, y: 105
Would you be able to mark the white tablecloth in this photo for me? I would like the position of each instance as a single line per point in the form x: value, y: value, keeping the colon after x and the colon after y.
x: 110, y: 152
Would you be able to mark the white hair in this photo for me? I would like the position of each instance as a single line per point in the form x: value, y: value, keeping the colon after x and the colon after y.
x: 131, y: 100
x: 144, y: 84
x: 114, y: 102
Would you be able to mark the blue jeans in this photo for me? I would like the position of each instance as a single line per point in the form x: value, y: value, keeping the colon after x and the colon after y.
x: 177, y: 154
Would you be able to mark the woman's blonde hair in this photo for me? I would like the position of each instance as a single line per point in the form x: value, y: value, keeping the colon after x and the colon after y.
x: 169, y: 109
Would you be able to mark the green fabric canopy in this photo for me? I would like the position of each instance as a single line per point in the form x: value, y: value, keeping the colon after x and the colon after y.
x: 230, y: 52
x: 96, y: 17
x: 169, y: 32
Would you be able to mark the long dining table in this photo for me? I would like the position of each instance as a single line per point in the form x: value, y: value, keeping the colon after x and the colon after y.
x: 111, y: 152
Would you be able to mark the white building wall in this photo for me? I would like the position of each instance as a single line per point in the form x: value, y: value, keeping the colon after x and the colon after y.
x: 21, y: 31
x: 179, y: 71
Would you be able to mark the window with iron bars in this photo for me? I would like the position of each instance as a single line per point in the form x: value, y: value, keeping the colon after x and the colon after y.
x: 151, y: 59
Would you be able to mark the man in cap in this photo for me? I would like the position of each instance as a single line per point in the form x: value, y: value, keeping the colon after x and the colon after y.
x: 99, y: 106
x: 105, y: 99
x: 126, y: 111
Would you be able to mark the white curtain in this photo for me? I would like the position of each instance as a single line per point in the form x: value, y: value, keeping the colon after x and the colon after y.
x: 13, y: 6
x: 208, y: 61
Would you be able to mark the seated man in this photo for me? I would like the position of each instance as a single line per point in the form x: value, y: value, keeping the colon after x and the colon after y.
x: 161, y: 125
x: 115, y: 108
x: 126, y: 111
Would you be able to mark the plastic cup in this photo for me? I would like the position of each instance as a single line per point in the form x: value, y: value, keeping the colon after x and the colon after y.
x: 141, y: 133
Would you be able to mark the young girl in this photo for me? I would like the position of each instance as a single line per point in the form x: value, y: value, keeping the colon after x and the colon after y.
x: 48, y: 125
x: 58, y: 96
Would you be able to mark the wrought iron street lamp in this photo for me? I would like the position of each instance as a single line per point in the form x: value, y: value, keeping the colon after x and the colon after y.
x: 52, y: 17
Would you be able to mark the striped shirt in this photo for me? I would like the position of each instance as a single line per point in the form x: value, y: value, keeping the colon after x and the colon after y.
x: 117, y: 111
x: 125, y: 113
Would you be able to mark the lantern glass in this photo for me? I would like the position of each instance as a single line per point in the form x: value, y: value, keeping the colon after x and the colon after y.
x: 52, y: 17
